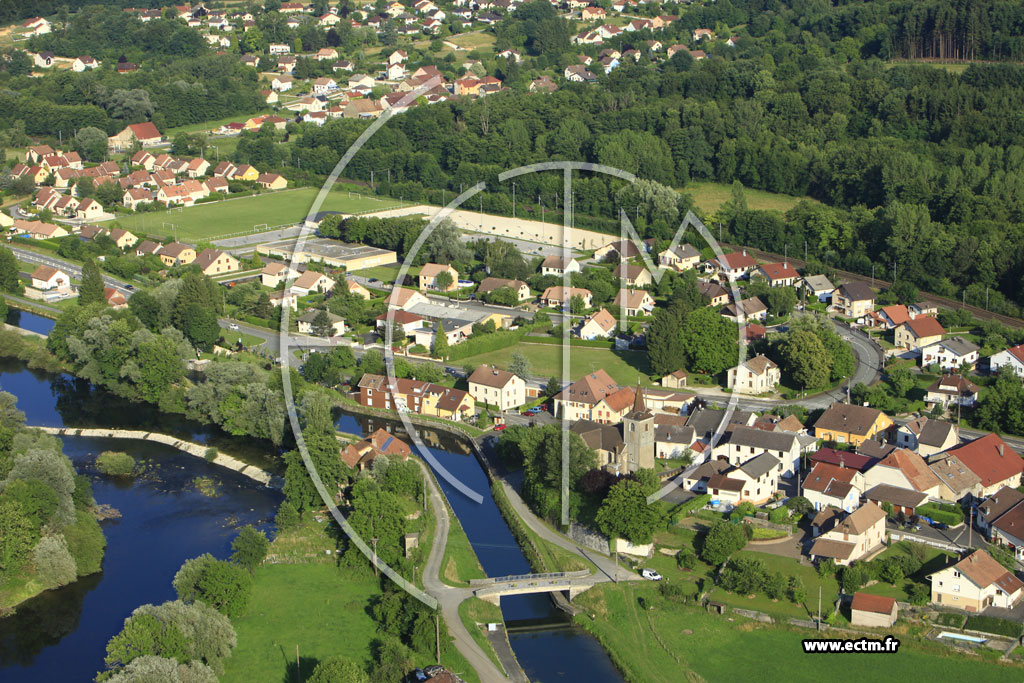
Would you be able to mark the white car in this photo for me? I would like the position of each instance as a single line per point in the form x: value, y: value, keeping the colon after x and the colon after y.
x: 233, y: 326
x: 650, y: 575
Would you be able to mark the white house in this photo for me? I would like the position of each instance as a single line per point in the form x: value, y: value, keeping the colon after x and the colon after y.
x: 975, y: 583
x: 497, y: 387
x: 45, y: 278
x: 1012, y: 358
x: 758, y: 375
x: 950, y: 354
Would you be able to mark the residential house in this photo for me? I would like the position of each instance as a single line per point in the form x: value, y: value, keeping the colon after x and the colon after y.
x: 428, y: 277
x: 890, y: 317
x: 957, y: 480
x: 415, y: 396
x: 858, y: 535
x: 89, y: 210
x: 844, y: 459
x: 38, y: 230
x: 854, y: 299
x: 975, y: 583
x: 716, y: 294
x: 950, y: 354
x: 498, y: 388
x: 831, y: 486
x: 735, y: 266
x: 115, y: 299
x: 122, y: 238
x: 599, y: 325
x: 491, y: 284
x: 145, y: 134
x: 633, y: 275
x: 993, y: 460
x: 324, y: 85
x: 904, y: 469
x: 993, y: 507
x: 757, y: 375
x: 148, y: 248
x: 363, y: 109
x: 245, y: 172
x: 36, y: 26
x: 703, y: 34
x: 778, y: 274
x: 876, y: 611
x: 817, y: 286
x: 45, y: 278
x: 742, y: 442
x: 918, y: 333
x: 312, y: 281
x: 1012, y: 358
x: 43, y: 60
x: 557, y: 297
x: 357, y: 289
x: 1007, y: 529
x: 379, y: 444
x: 697, y: 479
x: 594, y: 397
x: 952, y: 390
x: 177, y: 254
x: 282, y: 83
x: 403, y: 323
x: 274, y: 273
x: 83, y: 63
x: 284, y: 298
x: 846, y: 423
x: 675, y: 380
x: 577, y: 73
x: 927, y: 436
x: 216, y: 262
x: 197, y: 167
x: 755, y: 481
x: 634, y: 302
x: 558, y: 265
x: 617, y: 251
x: 336, y: 324
x: 272, y: 181
x: 406, y: 299
x: 682, y: 257
x: 746, y: 310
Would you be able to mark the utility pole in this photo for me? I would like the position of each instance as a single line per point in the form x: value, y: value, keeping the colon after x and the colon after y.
x: 437, y: 636
x: 375, y: 571
x: 970, y: 529
x: 819, y: 607
x: 513, y: 200
x: 986, y: 297
x: 872, y: 274
x: 371, y: 179
x: 481, y: 212
x: 298, y: 664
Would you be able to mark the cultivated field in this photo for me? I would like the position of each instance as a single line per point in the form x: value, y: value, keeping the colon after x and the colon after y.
x: 205, y: 222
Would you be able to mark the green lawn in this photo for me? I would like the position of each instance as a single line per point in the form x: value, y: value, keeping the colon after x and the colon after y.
x: 934, y: 560
x: 473, y: 611
x: 787, y: 567
x: 710, y: 196
x: 473, y: 41
x: 386, y: 274
x: 546, y: 360
x: 672, y: 643
x: 249, y: 341
x: 210, y: 221
x: 460, y: 563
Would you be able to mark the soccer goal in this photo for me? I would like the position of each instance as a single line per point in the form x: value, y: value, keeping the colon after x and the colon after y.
x: 259, y: 227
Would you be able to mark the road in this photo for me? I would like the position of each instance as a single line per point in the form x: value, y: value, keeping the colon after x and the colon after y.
x: 75, y: 271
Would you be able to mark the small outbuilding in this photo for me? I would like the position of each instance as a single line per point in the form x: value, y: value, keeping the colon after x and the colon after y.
x: 873, y: 610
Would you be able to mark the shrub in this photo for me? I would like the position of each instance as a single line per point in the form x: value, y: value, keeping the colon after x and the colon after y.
x: 689, y: 507
x: 86, y: 543
x: 1001, y: 627
x: 779, y: 515
x: 250, y: 548
x: 116, y: 464
x: 53, y: 562
x: 686, y: 559
x: 210, y: 454
x: 673, y: 592
x: 855, y: 576
x: 918, y: 593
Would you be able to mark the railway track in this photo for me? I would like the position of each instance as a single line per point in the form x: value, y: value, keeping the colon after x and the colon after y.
x: 979, y: 313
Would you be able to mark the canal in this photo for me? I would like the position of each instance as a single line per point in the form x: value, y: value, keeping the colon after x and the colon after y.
x: 557, y: 650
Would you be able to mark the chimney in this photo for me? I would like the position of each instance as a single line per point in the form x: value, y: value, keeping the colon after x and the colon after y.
x: 744, y: 252
x: 1000, y: 449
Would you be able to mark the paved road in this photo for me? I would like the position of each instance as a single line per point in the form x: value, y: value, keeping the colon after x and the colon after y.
x: 71, y: 269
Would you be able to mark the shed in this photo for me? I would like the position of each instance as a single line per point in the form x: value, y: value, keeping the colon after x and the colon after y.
x: 873, y: 610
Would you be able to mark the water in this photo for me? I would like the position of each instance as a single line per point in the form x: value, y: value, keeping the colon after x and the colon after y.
x: 29, y: 321
x: 561, y: 652
x: 62, y: 634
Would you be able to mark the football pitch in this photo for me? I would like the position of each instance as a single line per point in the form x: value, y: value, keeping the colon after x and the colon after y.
x: 206, y: 222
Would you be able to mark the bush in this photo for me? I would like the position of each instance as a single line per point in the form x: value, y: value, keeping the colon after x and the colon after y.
x: 86, y: 543
x: 689, y: 507
x: 673, y: 592
x: 686, y: 559
x: 116, y: 464
x: 225, y: 586
x: 1000, y: 627
x: 210, y: 454
x: 250, y: 548
x: 53, y: 562
x: 947, y: 514
x: 779, y: 515
x: 918, y: 593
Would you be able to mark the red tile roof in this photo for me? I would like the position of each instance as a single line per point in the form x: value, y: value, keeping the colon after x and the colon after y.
x: 990, y: 458
x: 879, y: 604
x: 925, y: 326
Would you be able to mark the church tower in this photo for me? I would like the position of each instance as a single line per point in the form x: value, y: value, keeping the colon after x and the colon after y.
x: 638, y: 434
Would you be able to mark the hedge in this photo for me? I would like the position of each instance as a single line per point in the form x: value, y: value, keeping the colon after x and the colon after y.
x: 946, y: 514
x: 1001, y: 627
x: 485, y: 343
x: 594, y: 343
x: 690, y: 506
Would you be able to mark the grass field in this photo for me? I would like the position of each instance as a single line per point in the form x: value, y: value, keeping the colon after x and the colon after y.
x: 957, y: 68
x: 473, y: 41
x: 460, y: 563
x: 710, y: 196
x: 210, y: 221
x: 546, y: 360
x: 671, y: 643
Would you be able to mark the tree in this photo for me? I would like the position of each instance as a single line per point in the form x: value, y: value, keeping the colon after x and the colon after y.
x: 443, y: 281
x: 625, y: 513
x: 900, y: 379
x: 91, y: 143
x: 338, y: 670
x: 92, y: 287
x: 154, y: 668
x: 322, y: 324
x: 225, y: 587
x: 722, y: 540
x: 577, y: 305
x: 552, y: 387
x: 249, y: 548
x: 709, y: 341
x: 200, y: 326
x: 439, y: 349
x: 665, y: 342
x: 144, y: 634
x: 805, y: 359
x: 17, y: 535
x: 519, y: 365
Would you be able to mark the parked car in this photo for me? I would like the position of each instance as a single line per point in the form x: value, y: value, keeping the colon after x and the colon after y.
x: 433, y: 670
x: 233, y: 326
x: 498, y: 428
x: 650, y: 575
x: 418, y: 675
x: 527, y: 413
x: 941, y: 526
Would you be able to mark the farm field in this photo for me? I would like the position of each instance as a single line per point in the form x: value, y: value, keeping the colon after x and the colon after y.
x: 546, y: 361
x: 205, y: 222
x: 710, y: 196
x: 702, y: 646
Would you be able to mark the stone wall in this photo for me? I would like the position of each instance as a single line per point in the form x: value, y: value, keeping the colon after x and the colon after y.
x: 588, y: 538
x: 198, y: 450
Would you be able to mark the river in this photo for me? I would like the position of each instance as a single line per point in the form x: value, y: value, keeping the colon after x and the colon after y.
x: 29, y: 321
x: 61, y: 635
x: 554, y: 651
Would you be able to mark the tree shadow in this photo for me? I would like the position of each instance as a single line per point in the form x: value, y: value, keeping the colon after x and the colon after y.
x: 296, y: 672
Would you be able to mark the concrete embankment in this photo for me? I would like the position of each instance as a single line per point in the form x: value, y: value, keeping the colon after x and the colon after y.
x: 24, y: 332
x: 198, y: 450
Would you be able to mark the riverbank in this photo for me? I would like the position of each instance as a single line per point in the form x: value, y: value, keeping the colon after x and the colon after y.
x: 198, y: 450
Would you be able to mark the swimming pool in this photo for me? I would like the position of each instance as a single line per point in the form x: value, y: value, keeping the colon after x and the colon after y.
x: 961, y: 636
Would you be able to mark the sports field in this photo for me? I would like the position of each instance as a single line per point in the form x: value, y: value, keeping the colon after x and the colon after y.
x: 234, y: 216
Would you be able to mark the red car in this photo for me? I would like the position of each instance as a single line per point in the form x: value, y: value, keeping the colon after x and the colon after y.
x: 498, y: 428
